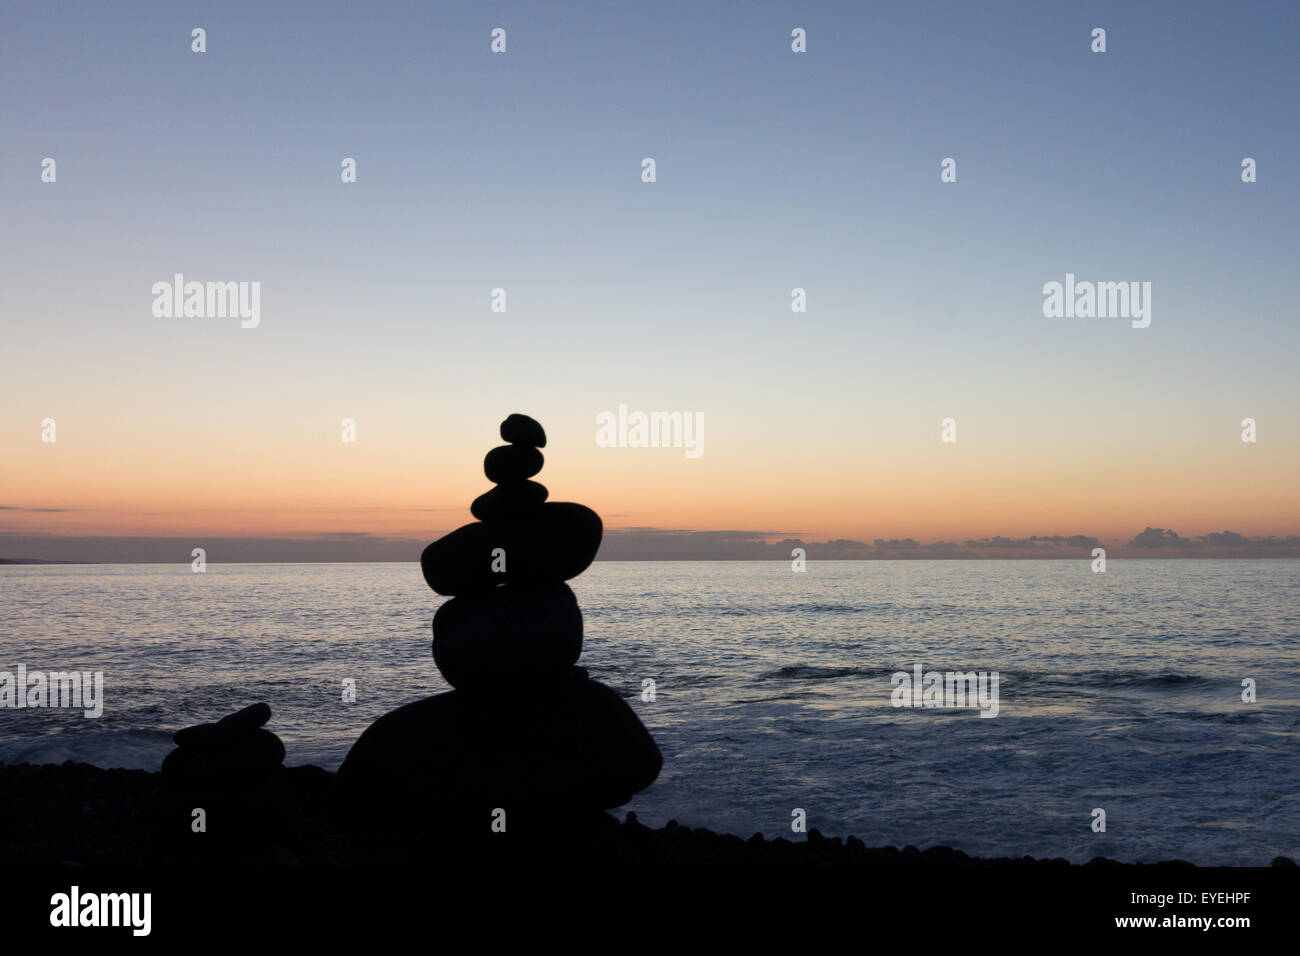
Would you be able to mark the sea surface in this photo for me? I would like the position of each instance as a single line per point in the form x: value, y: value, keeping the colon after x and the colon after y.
x: 1120, y: 691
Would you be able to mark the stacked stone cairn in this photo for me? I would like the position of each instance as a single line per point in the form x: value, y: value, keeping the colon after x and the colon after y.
x: 233, y: 771
x: 526, y: 739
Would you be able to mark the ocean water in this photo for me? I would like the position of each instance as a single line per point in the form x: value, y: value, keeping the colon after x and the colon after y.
x: 1119, y: 691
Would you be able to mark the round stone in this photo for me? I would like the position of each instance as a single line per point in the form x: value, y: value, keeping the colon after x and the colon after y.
x: 521, y: 430
x: 509, y: 635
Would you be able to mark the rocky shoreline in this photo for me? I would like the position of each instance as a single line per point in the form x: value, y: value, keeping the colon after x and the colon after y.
x: 521, y: 762
x: 75, y: 815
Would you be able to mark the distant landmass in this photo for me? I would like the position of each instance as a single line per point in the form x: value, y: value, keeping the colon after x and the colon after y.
x: 40, y: 561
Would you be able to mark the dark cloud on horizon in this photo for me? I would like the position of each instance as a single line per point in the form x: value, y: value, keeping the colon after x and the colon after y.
x: 634, y: 544
x: 1225, y: 538
x: 1035, y: 542
x: 630, y: 544
x: 1158, y: 538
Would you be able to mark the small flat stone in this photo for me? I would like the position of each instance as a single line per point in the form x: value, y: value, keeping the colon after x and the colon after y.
x: 227, y: 729
x: 244, y: 721
x: 508, y: 502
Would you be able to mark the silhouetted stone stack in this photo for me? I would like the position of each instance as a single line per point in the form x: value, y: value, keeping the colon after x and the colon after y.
x: 525, y: 730
x: 235, y: 747
x: 233, y: 771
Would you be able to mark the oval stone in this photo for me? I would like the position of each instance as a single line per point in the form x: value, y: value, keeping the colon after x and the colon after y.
x: 511, y: 463
x: 572, y: 744
x: 508, y: 635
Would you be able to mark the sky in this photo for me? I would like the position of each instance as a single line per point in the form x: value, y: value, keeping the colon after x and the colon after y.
x: 522, y: 170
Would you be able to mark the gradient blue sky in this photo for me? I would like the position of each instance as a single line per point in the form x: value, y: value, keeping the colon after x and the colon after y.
x: 775, y: 170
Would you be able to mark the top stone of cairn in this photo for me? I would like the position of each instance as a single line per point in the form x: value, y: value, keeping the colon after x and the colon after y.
x: 521, y: 430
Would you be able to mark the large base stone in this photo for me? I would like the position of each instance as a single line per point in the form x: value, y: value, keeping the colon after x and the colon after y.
x: 570, y: 746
